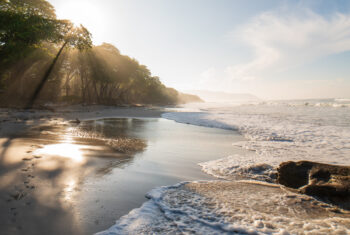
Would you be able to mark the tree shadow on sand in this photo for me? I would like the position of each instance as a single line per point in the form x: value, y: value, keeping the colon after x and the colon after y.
x: 40, y: 190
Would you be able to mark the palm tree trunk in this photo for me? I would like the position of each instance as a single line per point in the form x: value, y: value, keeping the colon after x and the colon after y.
x: 45, y: 78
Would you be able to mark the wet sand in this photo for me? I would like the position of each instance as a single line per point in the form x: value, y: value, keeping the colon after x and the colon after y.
x: 59, y: 176
x: 268, y: 208
x: 36, y: 190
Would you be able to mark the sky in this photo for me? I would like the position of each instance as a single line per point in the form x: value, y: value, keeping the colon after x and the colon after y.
x: 272, y: 49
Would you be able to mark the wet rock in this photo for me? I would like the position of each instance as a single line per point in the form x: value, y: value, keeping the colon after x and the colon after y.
x: 76, y: 121
x: 36, y: 146
x: 27, y: 159
x: 330, y: 183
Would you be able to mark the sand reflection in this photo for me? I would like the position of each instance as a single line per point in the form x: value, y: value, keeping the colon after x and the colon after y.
x: 69, y: 190
x: 43, y: 172
x: 66, y: 150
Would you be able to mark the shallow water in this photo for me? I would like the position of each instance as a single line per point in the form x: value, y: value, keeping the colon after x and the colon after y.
x: 230, y: 207
x: 171, y: 156
x: 316, y: 130
x: 73, y: 177
x: 276, y: 131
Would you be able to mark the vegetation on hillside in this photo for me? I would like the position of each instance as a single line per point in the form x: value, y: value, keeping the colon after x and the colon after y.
x: 45, y: 59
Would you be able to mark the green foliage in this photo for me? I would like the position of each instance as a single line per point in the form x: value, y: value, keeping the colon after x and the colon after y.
x: 26, y: 24
x: 20, y: 35
x: 29, y: 7
x: 33, y: 41
x: 77, y: 37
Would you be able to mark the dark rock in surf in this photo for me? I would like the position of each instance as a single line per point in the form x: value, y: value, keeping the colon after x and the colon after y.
x: 76, y: 121
x: 330, y: 183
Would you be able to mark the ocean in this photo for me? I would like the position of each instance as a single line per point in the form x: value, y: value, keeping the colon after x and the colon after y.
x: 274, y: 132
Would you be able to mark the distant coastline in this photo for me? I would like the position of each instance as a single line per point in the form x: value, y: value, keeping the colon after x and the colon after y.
x: 217, y: 96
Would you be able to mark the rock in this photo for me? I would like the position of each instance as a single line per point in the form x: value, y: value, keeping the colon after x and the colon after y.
x: 76, y: 121
x: 330, y: 183
x: 27, y: 159
x: 36, y: 146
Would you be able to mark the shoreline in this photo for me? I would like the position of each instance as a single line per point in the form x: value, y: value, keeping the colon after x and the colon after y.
x: 33, y: 186
x: 79, y: 192
x: 88, y: 194
x: 317, y: 216
x: 230, y: 207
x: 84, y: 112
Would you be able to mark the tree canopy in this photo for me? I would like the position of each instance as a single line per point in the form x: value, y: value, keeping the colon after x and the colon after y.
x: 53, y: 60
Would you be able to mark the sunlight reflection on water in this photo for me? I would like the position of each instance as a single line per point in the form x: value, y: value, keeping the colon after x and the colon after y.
x: 68, y: 150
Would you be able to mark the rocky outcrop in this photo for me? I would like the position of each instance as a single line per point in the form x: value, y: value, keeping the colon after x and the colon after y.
x: 330, y: 183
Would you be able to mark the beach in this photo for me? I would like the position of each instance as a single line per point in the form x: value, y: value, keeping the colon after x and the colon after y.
x: 37, y: 189
x: 174, y: 117
x: 131, y: 170
x: 245, y: 198
x: 60, y: 175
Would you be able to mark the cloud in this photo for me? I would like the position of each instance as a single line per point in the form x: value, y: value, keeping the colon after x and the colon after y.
x: 209, y: 73
x: 282, y: 40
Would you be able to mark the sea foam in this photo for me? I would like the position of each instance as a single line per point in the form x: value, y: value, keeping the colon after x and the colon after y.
x: 174, y: 210
x: 229, y: 207
x: 275, y: 132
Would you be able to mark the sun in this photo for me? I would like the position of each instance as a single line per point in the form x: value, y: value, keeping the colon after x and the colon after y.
x: 80, y: 12
x: 88, y: 13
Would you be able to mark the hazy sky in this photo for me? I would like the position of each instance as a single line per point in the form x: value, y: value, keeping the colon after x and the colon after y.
x: 273, y: 49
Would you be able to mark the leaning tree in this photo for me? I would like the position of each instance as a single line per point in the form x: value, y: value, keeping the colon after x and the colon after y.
x: 72, y: 37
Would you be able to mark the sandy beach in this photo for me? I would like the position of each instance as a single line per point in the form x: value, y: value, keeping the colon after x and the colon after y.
x: 37, y: 193
x: 63, y: 176
x: 174, y: 117
x: 78, y: 170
